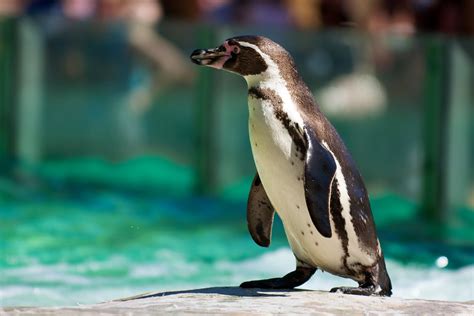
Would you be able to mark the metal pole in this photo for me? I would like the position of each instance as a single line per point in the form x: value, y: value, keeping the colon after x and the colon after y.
x: 7, y: 96
x: 30, y: 92
x: 459, y: 117
x: 435, y: 108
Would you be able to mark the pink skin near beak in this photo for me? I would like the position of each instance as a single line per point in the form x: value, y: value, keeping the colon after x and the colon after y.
x: 219, y: 63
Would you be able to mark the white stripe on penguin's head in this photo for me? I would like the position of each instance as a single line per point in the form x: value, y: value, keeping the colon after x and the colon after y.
x: 272, y: 79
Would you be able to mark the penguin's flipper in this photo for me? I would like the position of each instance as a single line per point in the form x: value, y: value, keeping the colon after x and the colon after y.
x: 260, y: 214
x: 319, y: 171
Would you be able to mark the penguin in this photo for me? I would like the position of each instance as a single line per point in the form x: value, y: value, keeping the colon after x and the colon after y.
x: 304, y: 173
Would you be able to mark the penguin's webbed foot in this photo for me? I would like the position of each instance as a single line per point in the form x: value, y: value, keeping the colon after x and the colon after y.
x: 365, y: 291
x: 289, y: 281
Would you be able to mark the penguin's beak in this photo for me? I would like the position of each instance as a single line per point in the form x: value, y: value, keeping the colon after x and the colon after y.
x: 214, y: 57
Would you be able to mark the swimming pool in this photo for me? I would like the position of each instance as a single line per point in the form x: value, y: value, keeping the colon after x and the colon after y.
x: 80, y: 246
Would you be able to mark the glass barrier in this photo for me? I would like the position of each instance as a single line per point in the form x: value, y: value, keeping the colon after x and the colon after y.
x: 92, y: 104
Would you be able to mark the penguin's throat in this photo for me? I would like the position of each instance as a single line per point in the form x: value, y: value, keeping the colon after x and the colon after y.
x: 276, y: 94
x: 256, y: 80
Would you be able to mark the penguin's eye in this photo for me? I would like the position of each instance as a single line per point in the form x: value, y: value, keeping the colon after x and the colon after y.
x: 236, y: 50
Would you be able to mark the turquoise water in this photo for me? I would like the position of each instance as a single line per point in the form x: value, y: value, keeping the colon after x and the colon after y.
x: 81, y: 246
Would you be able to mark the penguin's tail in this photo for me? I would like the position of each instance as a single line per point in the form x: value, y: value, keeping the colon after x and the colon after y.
x: 383, y: 280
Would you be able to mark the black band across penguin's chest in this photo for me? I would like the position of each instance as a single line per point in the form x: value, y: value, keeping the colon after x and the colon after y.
x: 294, y: 129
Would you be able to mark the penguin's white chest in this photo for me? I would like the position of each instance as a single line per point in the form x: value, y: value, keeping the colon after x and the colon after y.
x: 281, y: 170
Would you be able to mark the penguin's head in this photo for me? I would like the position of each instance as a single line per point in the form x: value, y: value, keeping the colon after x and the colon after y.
x: 243, y: 55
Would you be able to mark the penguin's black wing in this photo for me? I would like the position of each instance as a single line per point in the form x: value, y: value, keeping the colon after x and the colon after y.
x: 319, y: 171
x: 260, y: 214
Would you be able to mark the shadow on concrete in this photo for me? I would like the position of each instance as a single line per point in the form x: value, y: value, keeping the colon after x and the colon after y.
x: 229, y: 290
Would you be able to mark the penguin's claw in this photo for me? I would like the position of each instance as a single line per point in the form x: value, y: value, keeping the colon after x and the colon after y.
x: 365, y: 291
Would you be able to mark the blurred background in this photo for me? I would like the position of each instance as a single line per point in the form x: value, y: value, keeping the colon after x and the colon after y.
x: 124, y: 168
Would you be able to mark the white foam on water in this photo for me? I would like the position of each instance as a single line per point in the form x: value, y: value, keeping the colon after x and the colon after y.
x: 95, y: 281
x: 163, y: 268
x: 35, y: 295
x: 411, y: 281
x: 148, y: 270
x: 69, y: 284
x: 46, y: 273
x: 278, y: 261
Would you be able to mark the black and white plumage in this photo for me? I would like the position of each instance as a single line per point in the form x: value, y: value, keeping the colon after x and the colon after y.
x: 304, y: 172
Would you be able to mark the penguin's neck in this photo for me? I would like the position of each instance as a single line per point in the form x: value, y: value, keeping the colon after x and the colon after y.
x: 271, y: 83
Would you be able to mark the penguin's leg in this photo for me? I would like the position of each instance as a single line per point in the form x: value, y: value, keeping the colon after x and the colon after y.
x: 289, y: 281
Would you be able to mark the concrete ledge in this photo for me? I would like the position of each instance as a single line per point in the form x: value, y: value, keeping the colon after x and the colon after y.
x: 234, y: 300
